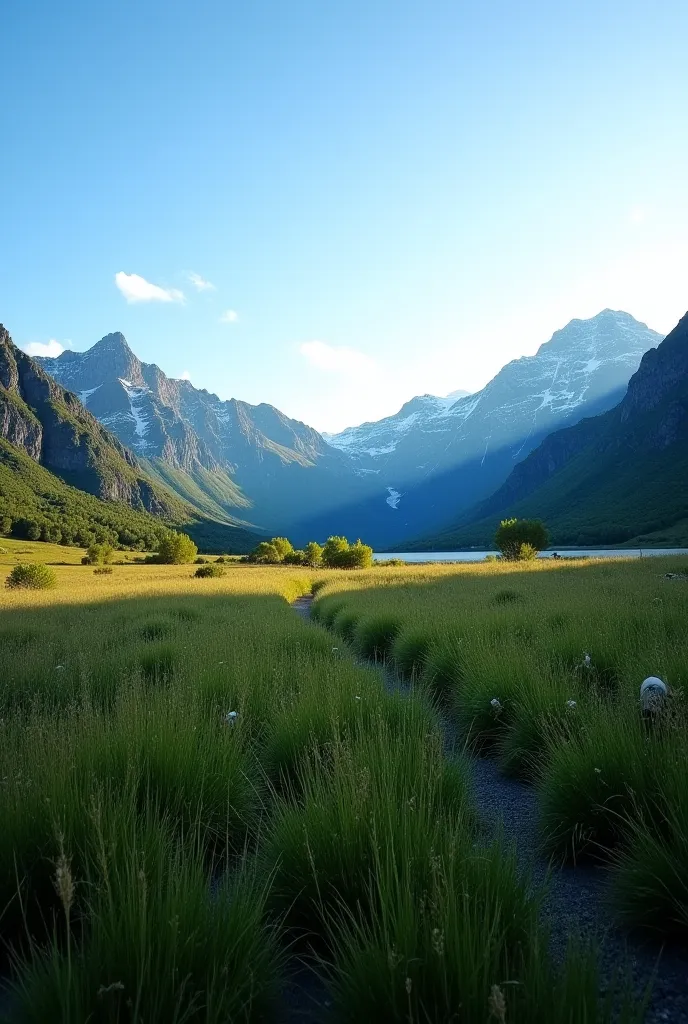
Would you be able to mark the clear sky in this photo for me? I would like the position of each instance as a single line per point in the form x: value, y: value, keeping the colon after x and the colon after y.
x: 333, y: 205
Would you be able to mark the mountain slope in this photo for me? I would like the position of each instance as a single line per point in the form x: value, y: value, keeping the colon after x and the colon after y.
x: 250, y: 464
x: 436, y: 458
x: 53, y: 428
x: 610, y: 478
x: 49, y: 440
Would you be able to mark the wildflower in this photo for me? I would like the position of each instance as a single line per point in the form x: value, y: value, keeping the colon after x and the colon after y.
x: 495, y: 703
x: 357, y: 698
x: 587, y: 661
x: 598, y: 771
x: 408, y: 984
x: 59, y: 668
x: 334, y: 649
x: 231, y: 717
x: 496, y: 1004
x: 570, y: 703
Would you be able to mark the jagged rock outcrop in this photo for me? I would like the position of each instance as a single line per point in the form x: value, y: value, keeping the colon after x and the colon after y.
x: 51, y: 425
x: 611, y: 477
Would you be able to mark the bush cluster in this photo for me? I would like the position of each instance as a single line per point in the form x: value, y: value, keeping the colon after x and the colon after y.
x: 174, y: 549
x: 31, y: 577
x: 209, y: 570
x: 519, y: 540
x: 337, y: 553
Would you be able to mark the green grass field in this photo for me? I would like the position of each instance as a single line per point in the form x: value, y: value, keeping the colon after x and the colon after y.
x: 158, y: 863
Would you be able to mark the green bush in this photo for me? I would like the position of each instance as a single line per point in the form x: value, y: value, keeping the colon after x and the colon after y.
x: 105, y: 570
x: 98, y: 554
x: 521, y: 539
x: 176, y: 549
x: 31, y: 577
x: 211, y: 569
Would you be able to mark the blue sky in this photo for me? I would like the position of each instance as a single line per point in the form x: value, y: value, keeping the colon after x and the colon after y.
x: 388, y: 196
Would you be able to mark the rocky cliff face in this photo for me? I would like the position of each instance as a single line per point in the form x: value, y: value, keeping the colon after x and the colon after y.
x: 52, y: 427
x: 227, y: 456
x: 611, y: 476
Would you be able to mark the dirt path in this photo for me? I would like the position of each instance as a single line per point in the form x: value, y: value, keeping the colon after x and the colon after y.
x: 576, y: 897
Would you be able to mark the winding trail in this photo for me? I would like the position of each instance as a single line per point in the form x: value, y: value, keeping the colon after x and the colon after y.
x: 576, y: 897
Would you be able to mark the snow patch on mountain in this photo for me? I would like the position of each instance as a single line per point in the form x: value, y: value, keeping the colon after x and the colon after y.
x: 393, y: 498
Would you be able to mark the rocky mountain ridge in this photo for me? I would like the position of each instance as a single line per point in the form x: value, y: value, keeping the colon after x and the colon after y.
x: 250, y: 464
x: 52, y: 427
x: 624, y: 473
x: 436, y: 458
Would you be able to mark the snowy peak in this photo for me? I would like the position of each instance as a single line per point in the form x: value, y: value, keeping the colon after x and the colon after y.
x: 581, y: 371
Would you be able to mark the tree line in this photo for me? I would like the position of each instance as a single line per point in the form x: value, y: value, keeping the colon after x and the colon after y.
x: 335, y: 553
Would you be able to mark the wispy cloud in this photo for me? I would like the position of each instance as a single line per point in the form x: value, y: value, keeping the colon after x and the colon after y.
x: 185, y: 375
x: 230, y: 316
x: 51, y: 348
x: 335, y: 358
x: 135, y: 288
x: 200, y: 283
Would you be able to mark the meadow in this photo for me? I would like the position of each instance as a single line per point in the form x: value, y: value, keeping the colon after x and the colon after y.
x: 201, y: 793
x: 539, y: 665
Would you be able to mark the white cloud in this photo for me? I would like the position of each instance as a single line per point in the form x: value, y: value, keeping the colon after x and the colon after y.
x: 199, y: 283
x: 230, y: 316
x: 185, y: 375
x: 51, y: 348
x: 335, y: 358
x: 136, y: 289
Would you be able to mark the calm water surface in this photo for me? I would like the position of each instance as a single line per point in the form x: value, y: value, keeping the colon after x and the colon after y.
x: 479, y: 556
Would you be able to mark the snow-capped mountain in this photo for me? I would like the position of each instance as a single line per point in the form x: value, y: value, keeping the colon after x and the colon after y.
x: 436, y: 457
x: 244, y: 463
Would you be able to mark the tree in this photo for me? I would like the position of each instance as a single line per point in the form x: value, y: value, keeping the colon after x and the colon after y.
x: 312, y: 554
x: 98, y: 554
x: 294, y: 557
x: 521, y: 539
x: 282, y: 546
x: 5, y: 525
x: 359, y: 556
x: 265, y: 553
x: 176, y: 549
x: 334, y: 552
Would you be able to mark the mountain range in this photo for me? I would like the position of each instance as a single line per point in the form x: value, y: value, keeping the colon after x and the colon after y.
x: 611, y: 478
x: 238, y: 463
x: 436, y: 458
x: 44, y: 425
x: 439, y: 469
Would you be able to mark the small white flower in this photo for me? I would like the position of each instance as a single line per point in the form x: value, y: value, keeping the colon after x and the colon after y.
x: 495, y: 703
x: 357, y: 698
x: 570, y: 703
x: 598, y: 771
x: 59, y: 668
x: 587, y: 661
x: 334, y: 649
x: 231, y: 717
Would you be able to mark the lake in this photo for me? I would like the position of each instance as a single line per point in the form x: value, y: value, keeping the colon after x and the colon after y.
x: 479, y: 556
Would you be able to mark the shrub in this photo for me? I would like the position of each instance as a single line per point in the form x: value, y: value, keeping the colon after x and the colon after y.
x: 339, y: 554
x: 212, y: 569
x: 200, y: 560
x: 294, y: 558
x: 312, y: 554
x: 518, y: 538
x: 104, y: 570
x: 31, y: 577
x: 98, y: 554
x: 333, y: 551
x: 176, y: 549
